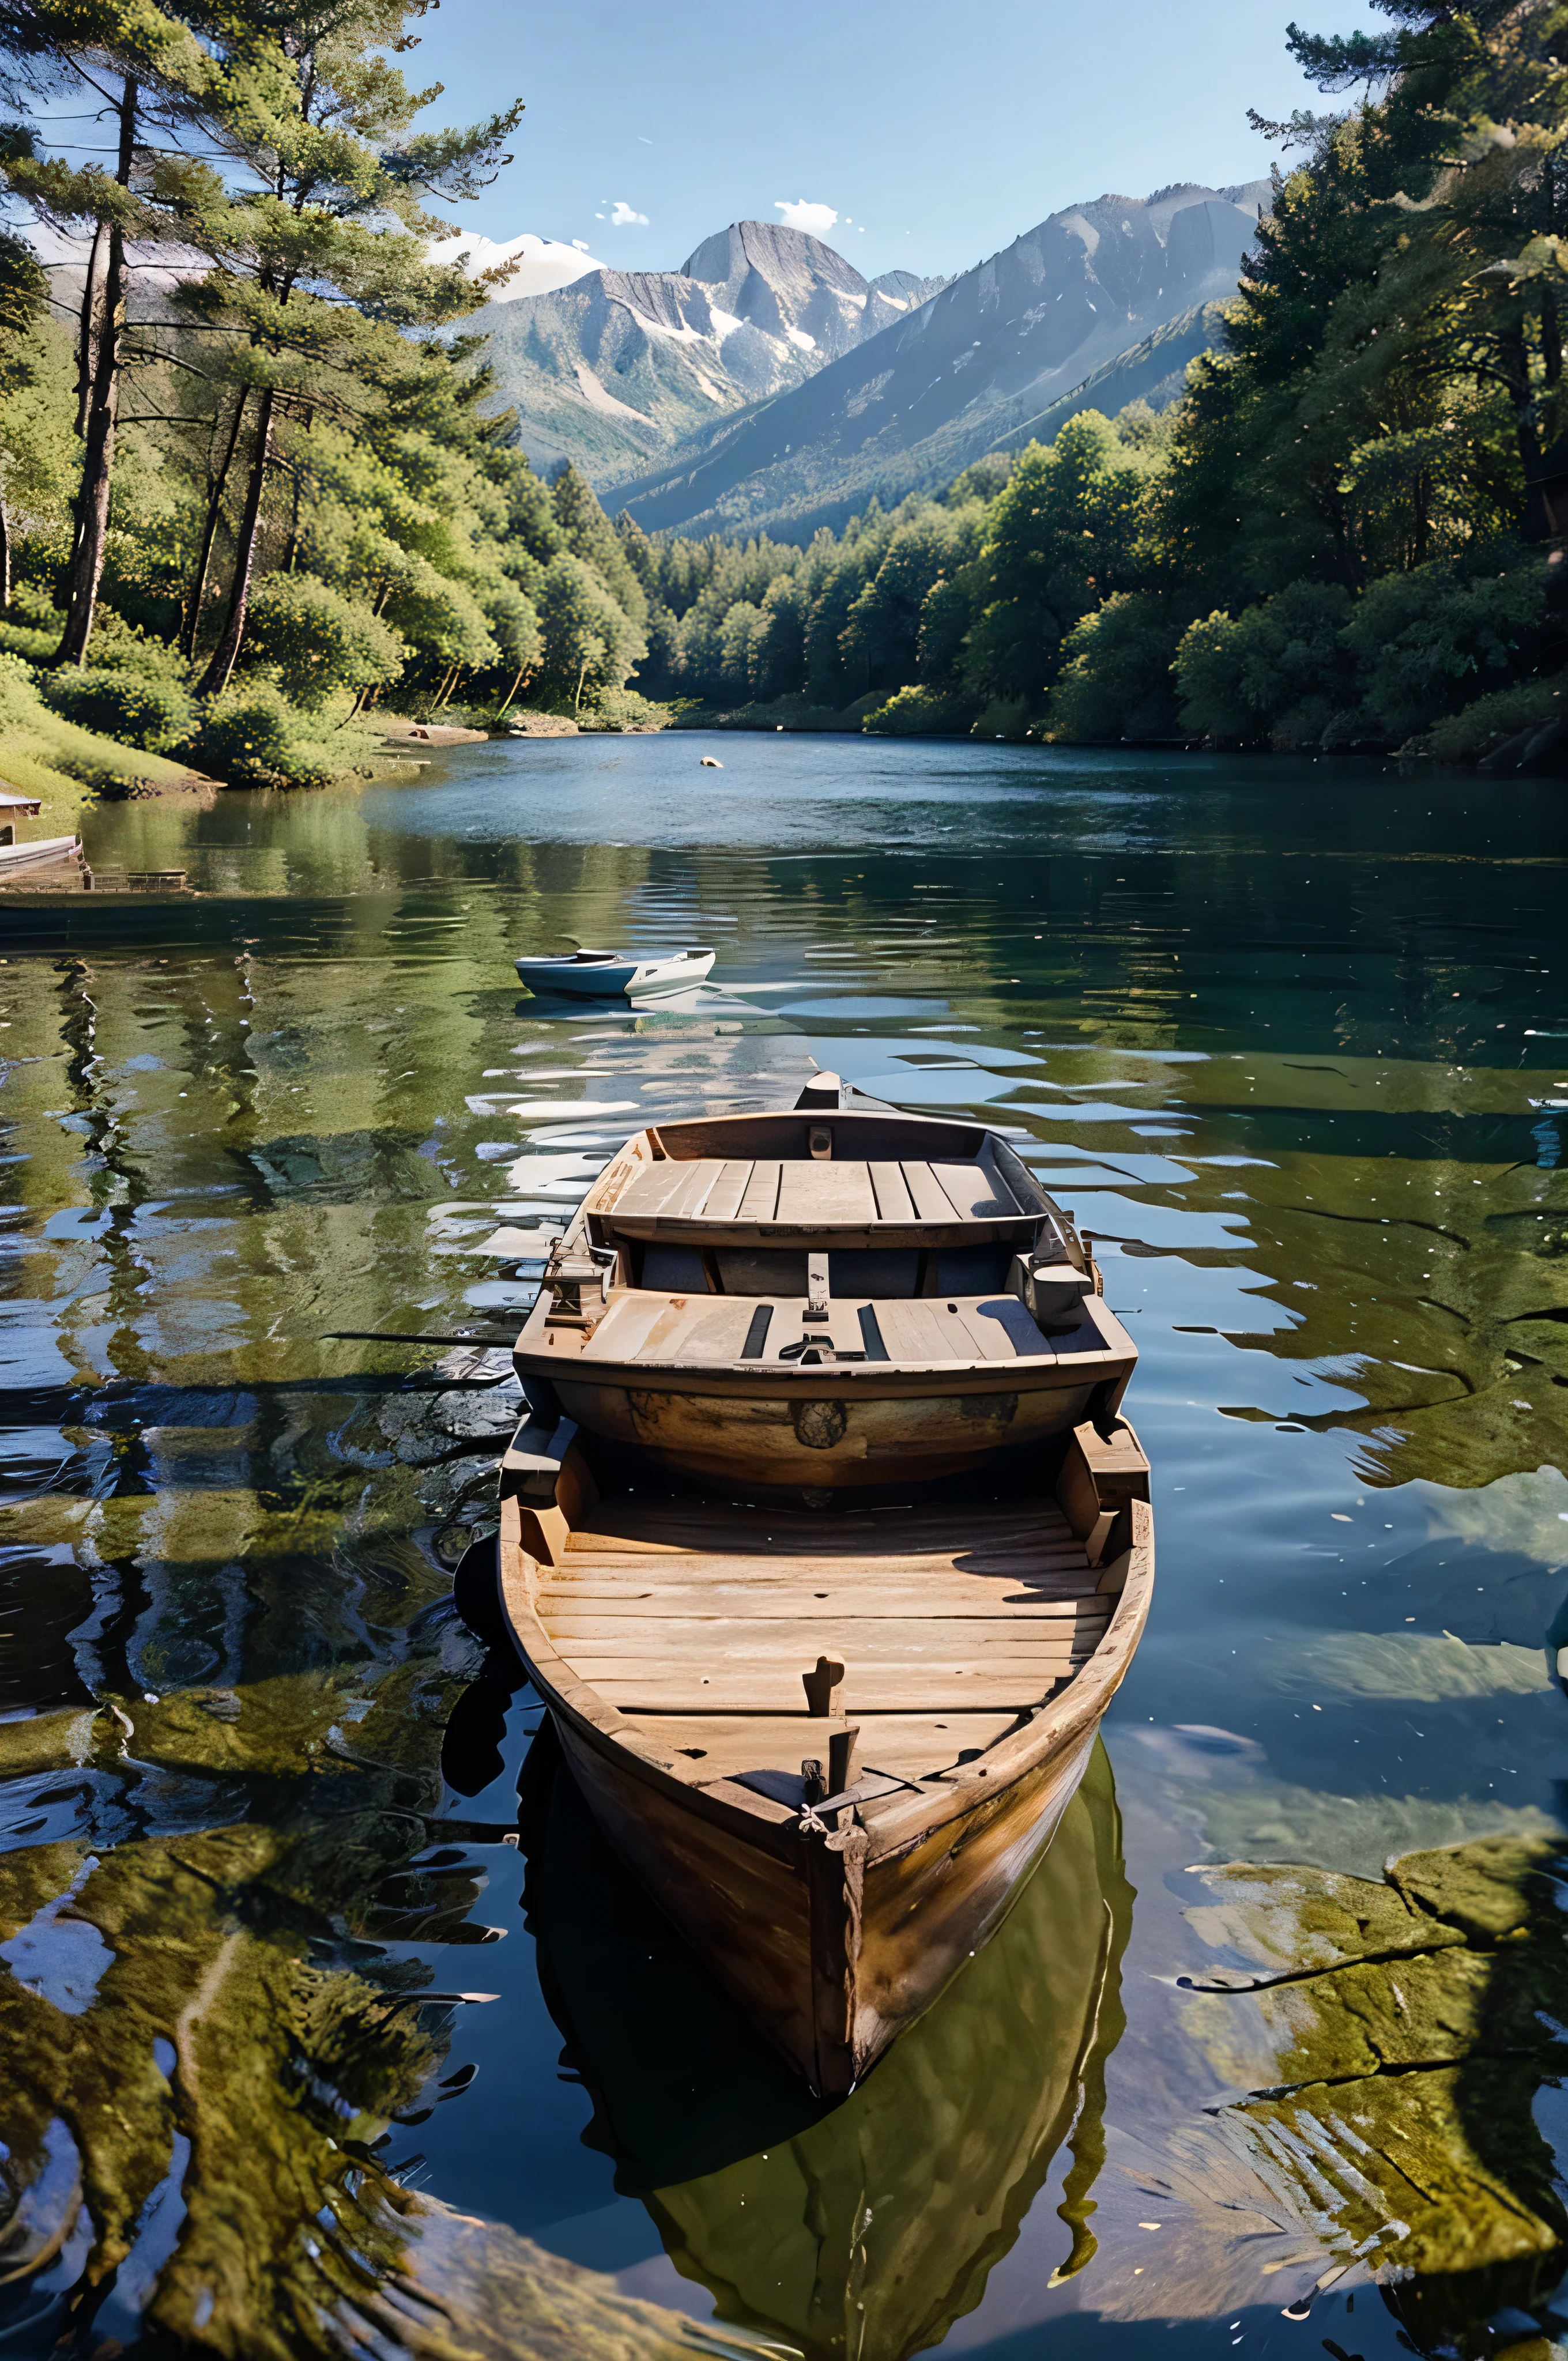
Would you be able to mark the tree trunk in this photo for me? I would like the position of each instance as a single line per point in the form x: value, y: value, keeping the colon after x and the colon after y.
x: 1516, y: 364
x: 1551, y: 336
x: 292, y: 558
x: 5, y: 559
x: 98, y: 460
x: 88, y: 332
x: 1423, y: 516
x: 193, y: 624
x: 216, y: 676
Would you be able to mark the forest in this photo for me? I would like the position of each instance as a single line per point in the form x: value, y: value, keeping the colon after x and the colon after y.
x: 1343, y: 535
x: 253, y: 479
x: 256, y: 486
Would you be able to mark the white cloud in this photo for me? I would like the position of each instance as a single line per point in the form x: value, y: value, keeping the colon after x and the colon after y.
x: 815, y: 220
x: 581, y: 244
x: 623, y: 216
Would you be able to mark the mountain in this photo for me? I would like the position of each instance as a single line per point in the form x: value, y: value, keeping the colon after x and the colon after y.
x: 614, y: 368
x: 1097, y: 305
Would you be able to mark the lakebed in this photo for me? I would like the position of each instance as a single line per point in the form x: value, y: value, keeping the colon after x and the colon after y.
x: 1283, y: 1036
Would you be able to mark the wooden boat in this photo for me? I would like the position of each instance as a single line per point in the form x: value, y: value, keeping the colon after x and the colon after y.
x: 609, y: 975
x: 826, y: 1300
x: 831, y: 1745
x: 855, y: 2230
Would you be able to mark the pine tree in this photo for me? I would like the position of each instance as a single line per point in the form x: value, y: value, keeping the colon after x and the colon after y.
x: 589, y: 535
x: 325, y: 252
x: 158, y: 84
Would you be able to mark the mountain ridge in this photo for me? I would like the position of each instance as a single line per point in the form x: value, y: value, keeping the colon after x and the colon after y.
x: 1116, y: 296
x: 616, y: 368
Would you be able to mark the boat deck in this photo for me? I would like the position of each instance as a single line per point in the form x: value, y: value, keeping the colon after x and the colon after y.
x: 744, y: 1201
x: 696, y: 1623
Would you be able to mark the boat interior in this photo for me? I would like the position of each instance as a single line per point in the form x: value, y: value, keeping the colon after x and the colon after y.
x: 829, y: 1237
x: 890, y: 1646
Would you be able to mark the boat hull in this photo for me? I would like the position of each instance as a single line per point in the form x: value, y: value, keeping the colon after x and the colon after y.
x: 803, y: 1438
x: 613, y: 980
x: 761, y: 2195
x: 831, y: 1934
x: 749, y: 1913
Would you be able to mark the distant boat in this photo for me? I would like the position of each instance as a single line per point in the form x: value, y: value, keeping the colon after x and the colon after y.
x: 607, y: 975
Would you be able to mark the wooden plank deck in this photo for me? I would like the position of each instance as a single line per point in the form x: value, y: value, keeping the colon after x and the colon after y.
x: 692, y: 1609
x: 715, y: 1197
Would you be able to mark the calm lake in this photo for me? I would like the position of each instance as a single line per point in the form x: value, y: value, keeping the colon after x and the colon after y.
x: 1285, y: 1035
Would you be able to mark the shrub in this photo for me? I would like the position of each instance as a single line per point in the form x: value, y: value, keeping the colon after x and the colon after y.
x: 126, y: 647
x: 35, y: 645
x: 33, y: 623
x: 127, y: 706
x: 625, y: 708
x: 1426, y: 640
x: 254, y: 738
x: 1116, y: 683
x: 1466, y: 736
x: 32, y: 603
x: 920, y: 713
x: 49, y: 756
x: 1250, y: 676
x: 317, y: 641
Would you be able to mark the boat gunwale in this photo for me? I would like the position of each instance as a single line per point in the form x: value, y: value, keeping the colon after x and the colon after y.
x: 885, y: 1380
x: 894, y: 1824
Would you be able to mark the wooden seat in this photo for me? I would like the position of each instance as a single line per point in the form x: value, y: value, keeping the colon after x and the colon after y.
x: 645, y: 1326
x: 848, y: 1202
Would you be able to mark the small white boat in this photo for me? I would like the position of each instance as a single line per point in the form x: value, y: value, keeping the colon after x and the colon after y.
x: 603, y: 975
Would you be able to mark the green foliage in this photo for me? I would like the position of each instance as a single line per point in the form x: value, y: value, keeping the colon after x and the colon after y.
x: 251, y: 736
x: 1280, y: 664
x: 122, y: 646
x: 916, y: 712
x: 1058, y: 541
x: 588, y: 532
x: 624, y: 709
x: 880, y: 637
x: 1465, y: 736
x: 1115, y: 680
x: 1430, y: 640
x: 60, y: 762
x: 318, y: 641
x: 122, y: 704
x: 588, y: 643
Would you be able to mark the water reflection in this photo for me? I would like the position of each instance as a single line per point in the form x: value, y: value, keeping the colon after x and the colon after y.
x: 1286, y: 1039
x: 866, y: 2228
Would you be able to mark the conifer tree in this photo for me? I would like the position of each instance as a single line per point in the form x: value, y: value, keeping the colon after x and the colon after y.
x: 325, y: 252
x: 161, y: 90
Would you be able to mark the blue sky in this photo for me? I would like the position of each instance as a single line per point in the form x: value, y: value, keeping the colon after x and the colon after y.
x: 935, y: 134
